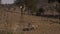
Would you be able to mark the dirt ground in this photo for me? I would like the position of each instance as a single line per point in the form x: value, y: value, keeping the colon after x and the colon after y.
x: 11, y: 22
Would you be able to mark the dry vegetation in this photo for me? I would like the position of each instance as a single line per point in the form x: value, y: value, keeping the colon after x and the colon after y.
x: 11, y: 22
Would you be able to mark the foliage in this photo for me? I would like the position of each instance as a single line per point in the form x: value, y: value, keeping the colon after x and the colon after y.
x: 58, y: 9
x: 18, y: 2
x: 41, y: 10
x: 49, y: 1
x: 58, y: 1
x: 31, y: 4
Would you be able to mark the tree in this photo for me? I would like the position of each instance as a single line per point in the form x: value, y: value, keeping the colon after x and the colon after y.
x: 58, y: 1
x: 31, y: 4
x: 41, y: 10
x: 49, y: 1
x: 18, y: 2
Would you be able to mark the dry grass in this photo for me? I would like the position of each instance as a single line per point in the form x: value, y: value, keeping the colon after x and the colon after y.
x: 13, y: 22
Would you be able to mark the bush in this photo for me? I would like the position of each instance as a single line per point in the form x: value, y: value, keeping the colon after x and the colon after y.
x: 38, y: 13
x: 49, y: 1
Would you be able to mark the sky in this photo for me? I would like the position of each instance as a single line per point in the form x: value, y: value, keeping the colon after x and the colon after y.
x: 7, y: 1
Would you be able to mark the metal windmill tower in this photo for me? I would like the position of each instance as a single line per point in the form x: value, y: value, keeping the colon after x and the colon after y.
x: 29, y: 25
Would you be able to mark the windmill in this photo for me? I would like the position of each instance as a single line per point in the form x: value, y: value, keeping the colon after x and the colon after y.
x: 29, y: 25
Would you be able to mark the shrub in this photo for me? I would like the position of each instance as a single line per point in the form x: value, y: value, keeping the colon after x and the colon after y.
x: 38, y: 13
